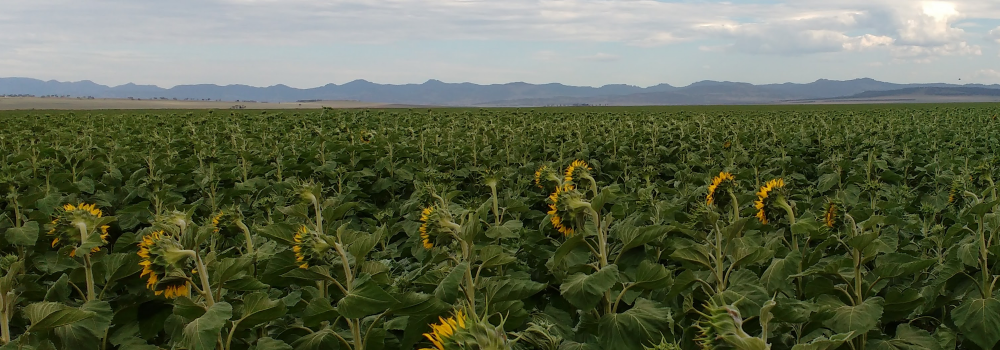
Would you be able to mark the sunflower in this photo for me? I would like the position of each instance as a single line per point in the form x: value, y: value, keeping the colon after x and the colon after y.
x: 766, y: 199
x: 443, y: 331
x: 215, y: 221
x: 66, y: 227
x: 425, y: 217
x: 538, y: 175
x: 300, y: 249
x: 367, y: 136
x: 573, y: 167
x: 560, y: 218
x: 723, y: 180
x: 163, y: 278
x: 831, y: 218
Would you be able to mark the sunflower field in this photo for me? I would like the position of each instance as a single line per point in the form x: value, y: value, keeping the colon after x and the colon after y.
x: 805, y: 228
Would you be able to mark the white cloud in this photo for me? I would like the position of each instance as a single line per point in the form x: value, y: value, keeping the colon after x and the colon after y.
x: 988, y: 73
x: 602, y: 57
x: 995, y: 35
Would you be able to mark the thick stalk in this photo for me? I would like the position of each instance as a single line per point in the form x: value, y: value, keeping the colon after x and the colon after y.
x: 359, y: 342
x: 736, y: 206
x: 496, y: 205
x: 470, y: 283
x: 4, y: 318
x: 88, y: 267
x: 719, y: 272
x: 984, y: 258
x: 246, y: 234
x: 205, y: 286
x: 602, y: 248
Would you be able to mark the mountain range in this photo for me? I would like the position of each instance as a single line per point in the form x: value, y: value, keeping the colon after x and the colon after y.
x: 519, y: 94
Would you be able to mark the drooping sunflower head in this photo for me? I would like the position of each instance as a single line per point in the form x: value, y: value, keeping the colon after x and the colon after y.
x: 307, y: 247
x: 769, y: 198
x: 80, y: 226
x: 216, y: 221
x: 567, y: 209
x: 577, y: 170
x: 164, y: 264
x: 442, y: 333
x: 175, y: 221
x: 717, y: 190
x: 721, y: 327
x: 956, y: 194
x: 429, y: 224
x: 832, y: 216
x: 727, y: 145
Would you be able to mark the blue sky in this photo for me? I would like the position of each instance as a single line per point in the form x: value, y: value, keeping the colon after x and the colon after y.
x: 307, y: 43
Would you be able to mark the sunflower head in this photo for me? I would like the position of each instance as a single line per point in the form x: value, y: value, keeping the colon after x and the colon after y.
x: 727, y: 145
x: 429, y: 225
x: 216, y: 221
x: 833, y: 215
x: 567, y: 209
x: 577, y: 170
x: 770, y: 198
x: 175, y: 221
x: 956, y: 193
x: 367, y: 136
x: 307, y: 247
x: 443, y: 332
x: 546, y: 177
x: 164, y: 264
x: 717, y: 190
x: 80, y: 226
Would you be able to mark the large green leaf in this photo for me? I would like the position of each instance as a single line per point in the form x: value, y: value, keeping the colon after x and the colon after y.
x: 858, y: 319
x: 322, y: 340
x: 268, y: 343
x: 824, y: 343
x: 258, y: 308
x: 775, y: 278
x: 450, y: 287
x: 366, y: 298
x: 646, y: 323
x: 653, y: 276
x: 202, y: 333
x: 25, y: 235
x: 978, y: 320
x: 584, y: 291
x: 87, y: 333
x: 48, y: 315
x: 907, y: 338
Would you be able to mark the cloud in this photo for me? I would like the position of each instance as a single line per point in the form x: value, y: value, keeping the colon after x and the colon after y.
x: 995, y: 35
x: 602, y: 57
x: 988, y: 73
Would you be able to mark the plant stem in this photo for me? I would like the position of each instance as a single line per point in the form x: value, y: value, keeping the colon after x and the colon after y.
x: 205, y: 286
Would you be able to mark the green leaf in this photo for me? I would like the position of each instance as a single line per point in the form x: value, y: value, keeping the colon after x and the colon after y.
x: 366, y: 298
x: 858, y: 319
x: 509, y: 229
x: 120, y: 265
x: 652, y: 276
x: 322, y: 340
x: 827, y: 181
x: 202, y: 333
x: 824, y: 343
x: 257, y: 309
x: 631, y: 330
x: 87, y: 333
x: 694, y: 253
x: 59, y: 291
x: 230, y: 268
x: 584, y: 291
x: 317, y: 311
x: 634, y: 237
x: 893, y: 265
x: 448, y: 291
x: 48, y: 315
x: 907, y: 338
x: 187, y: 308
x: 978, y: 320
x: 493, y: 256
x: 267, y: 343
x: 26, y: 235
x: 775, y: 278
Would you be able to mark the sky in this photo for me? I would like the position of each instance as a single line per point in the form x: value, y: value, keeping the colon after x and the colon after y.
x: 309, y: 43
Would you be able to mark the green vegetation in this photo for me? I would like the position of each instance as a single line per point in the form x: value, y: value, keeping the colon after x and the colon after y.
x: 791, y: 227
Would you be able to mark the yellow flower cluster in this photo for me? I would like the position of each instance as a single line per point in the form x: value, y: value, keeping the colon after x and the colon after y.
x: 442, y: 331
x: 762, y: 196
x: 424, y: 217
x: 557, y: 222
x: 716, y: 181
x: 89, y: 209
x: 174, y: 290
x: 831, y: 215
x: 538, y: 176
x: 572, y: 168
x: 298, y: 248
x: 215, y: 221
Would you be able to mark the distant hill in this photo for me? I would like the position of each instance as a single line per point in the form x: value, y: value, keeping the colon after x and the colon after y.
x: 434, y: 92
